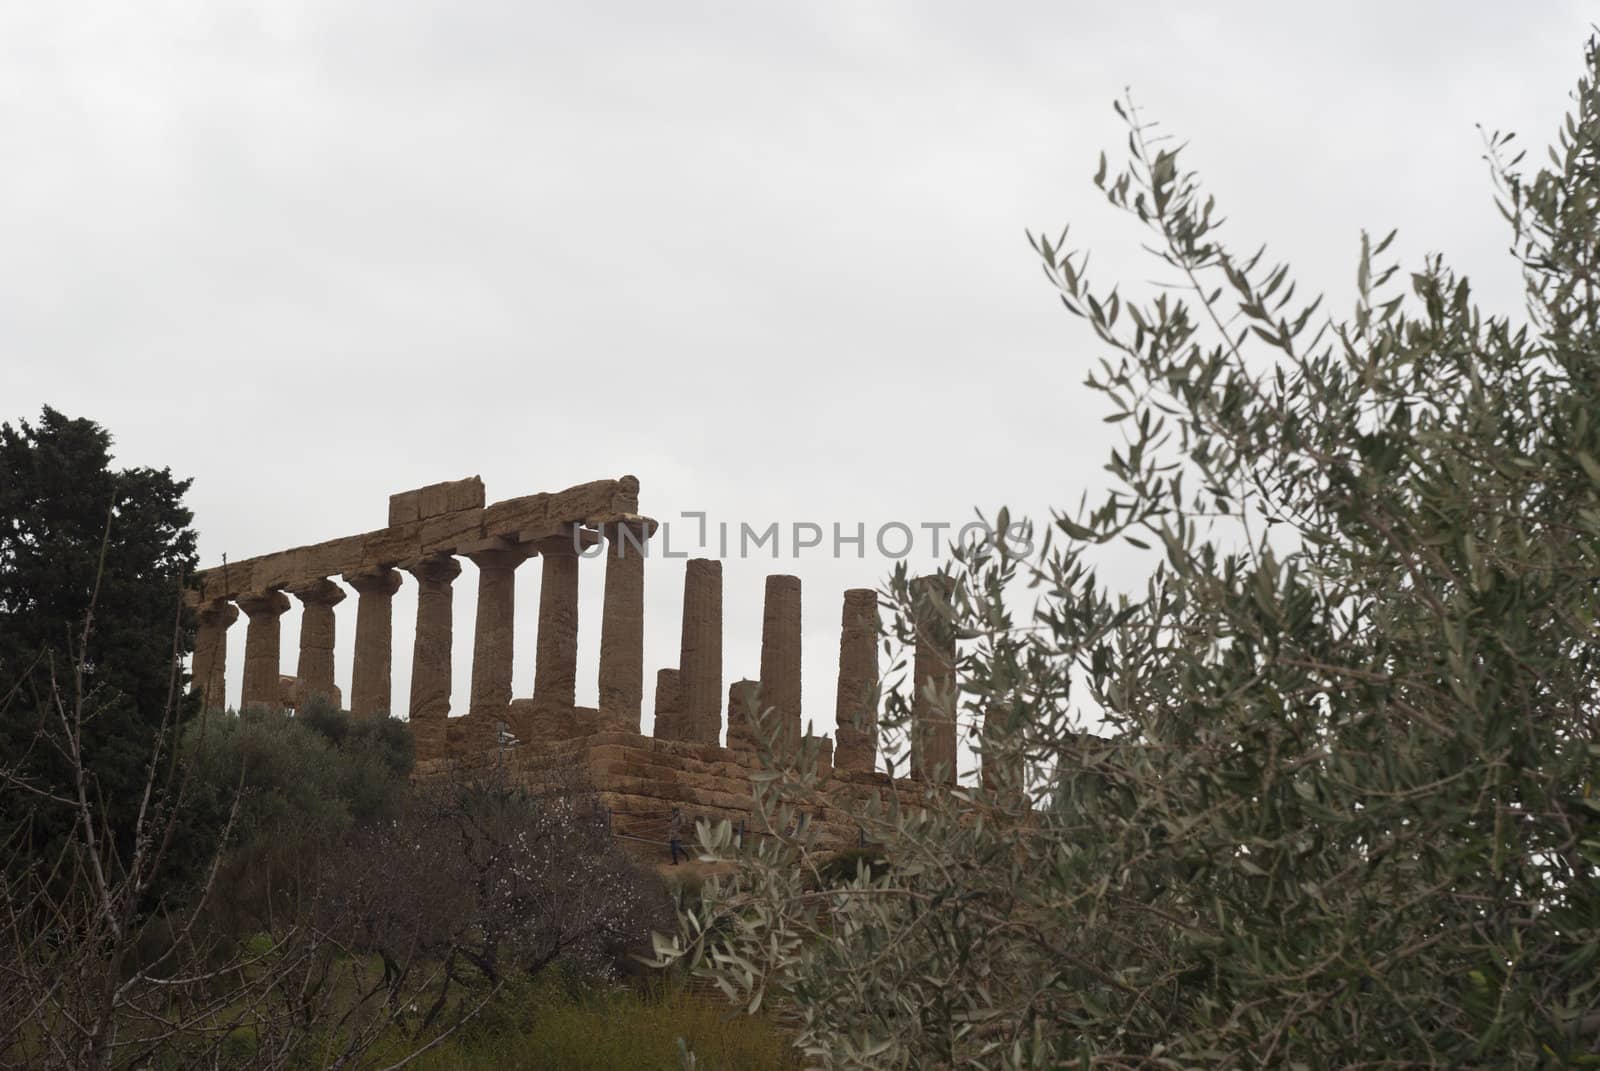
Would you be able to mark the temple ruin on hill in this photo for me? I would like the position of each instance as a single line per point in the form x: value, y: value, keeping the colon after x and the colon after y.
x: 640, y: 778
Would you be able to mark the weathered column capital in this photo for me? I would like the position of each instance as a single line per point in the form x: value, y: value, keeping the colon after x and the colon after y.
x: 216, y: 613
x: 434, y: 569
x: 323, y: 592
x: 572, y: 540
x: 378, y: 580
x: 505, y: 556
x: 257, y: 604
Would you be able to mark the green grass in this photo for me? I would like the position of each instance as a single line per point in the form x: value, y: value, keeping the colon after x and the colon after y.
x: 543, y: 1029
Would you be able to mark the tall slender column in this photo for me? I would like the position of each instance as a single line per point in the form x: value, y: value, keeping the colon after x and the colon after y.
x: 700, y: 652
x: 933, y: 724
x: 780, y: 655
x: 622, y: 621
x: 555, y: 667
x: 371, y: 676
x: 493, y: 639
x: 856, y: 712
x: 669, y: 705
x: 261, y: 685
x: 211, y: 653
x: 315, y: 668
x: 430, y: 658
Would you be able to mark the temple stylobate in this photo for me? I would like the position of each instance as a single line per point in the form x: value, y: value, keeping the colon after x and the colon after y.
x: 432, y: 528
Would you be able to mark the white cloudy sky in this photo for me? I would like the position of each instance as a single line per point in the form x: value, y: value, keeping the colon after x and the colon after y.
x: 769, y: 258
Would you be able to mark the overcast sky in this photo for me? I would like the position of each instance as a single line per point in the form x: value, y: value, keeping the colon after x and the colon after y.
x: 769, y: 258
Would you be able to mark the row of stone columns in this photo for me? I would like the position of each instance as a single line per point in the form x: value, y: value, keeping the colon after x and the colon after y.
x: 688, y: 698
x: 555, y: 668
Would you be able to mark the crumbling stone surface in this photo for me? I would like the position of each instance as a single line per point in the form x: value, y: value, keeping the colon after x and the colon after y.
x: 858, y: 680
x: 933, y: 725
x: 314, y: 671
x: 669, y: 704
x: 372, y: 672
x: 211, y: 653
x: 744, y: 698
x: 780, y: 654
x: 493, y: 648
x: 555, y: 670
x: 261, y: 687
x: 700, y: 653
x: 446, y: 518
x: 430, y: 658
x: 622, y: 621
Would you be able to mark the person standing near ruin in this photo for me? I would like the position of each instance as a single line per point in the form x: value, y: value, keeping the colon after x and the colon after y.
x: 675, y: 835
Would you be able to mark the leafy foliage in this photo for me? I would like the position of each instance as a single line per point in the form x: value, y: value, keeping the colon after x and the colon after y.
x: 74, y: 530
x: 1323, y: 794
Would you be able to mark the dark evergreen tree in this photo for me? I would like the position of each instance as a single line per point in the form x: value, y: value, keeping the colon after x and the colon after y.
x: 75, y: 531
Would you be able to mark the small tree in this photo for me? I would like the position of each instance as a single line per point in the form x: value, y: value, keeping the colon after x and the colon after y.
x: 495, y: 882
x: 1323, y: 794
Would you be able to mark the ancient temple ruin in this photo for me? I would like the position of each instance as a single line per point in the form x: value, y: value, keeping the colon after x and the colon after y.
x: 638, y: 777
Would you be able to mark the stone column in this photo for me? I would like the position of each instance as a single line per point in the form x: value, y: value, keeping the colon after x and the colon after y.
x: 430, y: 659
x: 493, y: 638
x: 261, y: 685
x: 555, y: 667
x: 669, y: 705
x: 700, y: 653
x: 372, y: 674
x: 622, y: 622
x: 211, y: 653
x: 1001, y: 765
x: 780, y: 656
x: 315, y: 668
x: 743, y: 696
x: 933, y: 728
x: 858, y: 679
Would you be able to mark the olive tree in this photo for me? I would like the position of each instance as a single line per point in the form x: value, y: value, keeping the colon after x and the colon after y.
x: 1322, y: 793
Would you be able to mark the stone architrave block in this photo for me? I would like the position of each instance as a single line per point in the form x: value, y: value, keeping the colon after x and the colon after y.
x: 504, y: 520
x: 391, y: 546
x: 404, y: 508
x: 444, y: 533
